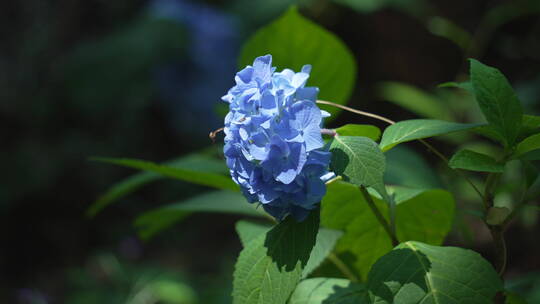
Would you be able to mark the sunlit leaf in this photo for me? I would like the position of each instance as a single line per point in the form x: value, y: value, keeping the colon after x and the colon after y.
x: 329, y: 290
x: 368, y: 131
x: 271, y: 265
x: 419, y: 273
x: 426, y: 216
x: 359, y: 161
x: 326, y: 240
x: 408, y: 130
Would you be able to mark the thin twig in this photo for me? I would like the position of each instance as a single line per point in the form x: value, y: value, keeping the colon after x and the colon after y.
x: 391, y: 122
x: 357, y: 111
x: 342, y: 267
x: 213, y: 134
x: 497, y: 231
x: 379, y: 216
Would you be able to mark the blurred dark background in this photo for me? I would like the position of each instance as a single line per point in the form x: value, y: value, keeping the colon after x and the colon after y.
x: 143, y: 79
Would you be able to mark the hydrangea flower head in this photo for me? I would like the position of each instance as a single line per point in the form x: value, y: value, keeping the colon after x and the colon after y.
x: 273, y: 142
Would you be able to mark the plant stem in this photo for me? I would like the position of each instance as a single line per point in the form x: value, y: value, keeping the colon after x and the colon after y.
x: 342, y: 267
x: 363, y: 113
x: 497, y: 231
x: 391, y: 122
x: 379, y: 216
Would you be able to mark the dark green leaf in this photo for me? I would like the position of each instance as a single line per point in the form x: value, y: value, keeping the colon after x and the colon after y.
x: 405, y: 167
x: 271, y: 265
x: 514, y: 298
x: 530, y: 125
x: 408, y: 130
x: 414, y: 100
x: 497, y: 100
x: 529, y: 144
x: 151, y: 222
x: 359, y: 161
x: 192, y: 175
x: 326, y: 240
x: 425, y: 217
x: 418, y: 273
x: 134, y: 182
x: 294, y: 41
x: 474, y: 161
x: 368, y: 131
x: 329, y: 290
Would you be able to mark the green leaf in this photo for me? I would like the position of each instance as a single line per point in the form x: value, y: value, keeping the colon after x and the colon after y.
x: 248, y: 231
x: 413, y: 129
x: 368, y: 131
x: 514, y: 298
x: 270, y: 266
x: 426, y: 216
x: 530, y: 125
x: 529, y: 144
x: 134, y: 182
x: 474, y: 161
x: 418, y: 273
x: 467, y: 86
x: 407, y: 168
x: 497, y: 100
x: 326, y: 240
x: 153, y: 221
x: 414, y: 100
x: 192, y: 175
x: 294, y: 41
x: 359, y: 161
x: 329, y: 290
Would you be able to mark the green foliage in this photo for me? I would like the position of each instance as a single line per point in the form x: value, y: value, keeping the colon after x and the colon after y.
x: 414, y: 100
x: 413, y: 129
x: 152, y: 222
x: 497, y: 101
x: 271, y: 265
x: 474, y: 161
x: 295, y: 41
x: 425, y: 216
x: 368, y: 131
x: 418, y: 273
x: 325, y: 242
x: 248, y: 231
x: 329, y: 290
x: 193, y: 162
x: 405, y: 167
x: 359, y: 161
x: 188, y: 174
x: 529, y: 144
x: 530, y: 124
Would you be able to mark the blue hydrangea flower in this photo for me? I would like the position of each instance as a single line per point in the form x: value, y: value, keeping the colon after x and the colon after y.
x: 273, y: 142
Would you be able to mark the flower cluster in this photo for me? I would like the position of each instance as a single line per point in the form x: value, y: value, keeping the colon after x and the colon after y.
x: 273, y: 143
